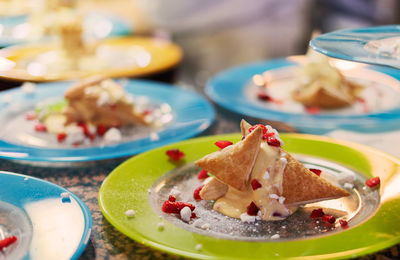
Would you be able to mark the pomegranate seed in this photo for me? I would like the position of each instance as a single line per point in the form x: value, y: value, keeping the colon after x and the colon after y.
x: 317, y: 213
x: 252, y: 209
x: 39, y: 127
x: 193, y: 215
x: 316, y: 171
x: 30, y: 115
x: 61, y: 137
x: 273, y: 141
x: 202, y: 175
x: 76, y: 144
x: 85, y: 129
x: 373, y: 182
x: 101, y: 130
x: 364, y: 104
x: 175, y: 207
x: 264, y: 96
x: 223, y: 144
x: 343, y: 223
x: 265, y: 130
x: 328, y: 219
x: 312, y: 110
x: 196, y: 193
x: 172, y: 198
x: 175, y: 154
x: 7, y: 242
x: 255, y: 184
x: 147, y: 112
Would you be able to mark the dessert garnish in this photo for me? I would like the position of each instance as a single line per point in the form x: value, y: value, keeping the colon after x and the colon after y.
x: 257, y: 177
x: 94, y: 108
x: 6, y: 242
x: 373, y: 182
x: 202, y: 175
x: 321, y: 85
x: 175, y: 154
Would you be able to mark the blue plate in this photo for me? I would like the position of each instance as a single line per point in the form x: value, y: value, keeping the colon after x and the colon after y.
x: 191, y: 112
x: 351, y: 44
x: 95, y: 26
x: 232, y: 90
x: 58, y: 224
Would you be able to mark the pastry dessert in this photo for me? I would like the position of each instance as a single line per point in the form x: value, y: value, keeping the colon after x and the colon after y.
x: 319, y: 84
x: 257, y: 177
x: 100, y: 101
x: 94, y: 107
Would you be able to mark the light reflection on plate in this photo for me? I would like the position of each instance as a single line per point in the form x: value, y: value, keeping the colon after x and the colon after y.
x: 60, y: 222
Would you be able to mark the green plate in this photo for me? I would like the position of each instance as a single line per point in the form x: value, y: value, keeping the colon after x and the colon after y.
x: 127, y: 187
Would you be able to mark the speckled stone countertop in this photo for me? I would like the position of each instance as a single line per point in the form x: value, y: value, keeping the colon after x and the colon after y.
x: 85, y: 179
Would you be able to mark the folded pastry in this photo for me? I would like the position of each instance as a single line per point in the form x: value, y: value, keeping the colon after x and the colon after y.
x: 101, y: 101
x: 257, y: 173
x: 321, y: 85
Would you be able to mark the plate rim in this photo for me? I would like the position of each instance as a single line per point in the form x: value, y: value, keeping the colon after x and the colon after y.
x: 137, y: 236
x: 373, y: 59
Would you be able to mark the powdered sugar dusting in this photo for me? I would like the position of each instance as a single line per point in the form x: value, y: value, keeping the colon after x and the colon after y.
x: 252, y: 228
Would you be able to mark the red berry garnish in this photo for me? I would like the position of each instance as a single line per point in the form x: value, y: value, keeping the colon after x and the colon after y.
x: 61, y: 137
x: 273, y: 142
x: 193, y: 215
x: 343, y: 223
x: 175, y: 154
x: 328, y: 219
x: 264, y: 96
x: 101, y: 130
x: 30, y: 115
x: 252, y: 209
x: 202, y: 175
x: 317, y: 213
x: 175, y: 207
x: 255, y: 184
x: 373, y: 182
x: 265, y: 130
x: 364, y: 104
x: 223, y: 144
x: 196, y: 193
x: 172, y: 198
x: 147, y: 112
x: 312, y: 110
x: 7, y: 242
x: 39, y: 127
x: 85, y: 129
x: 316, y: 171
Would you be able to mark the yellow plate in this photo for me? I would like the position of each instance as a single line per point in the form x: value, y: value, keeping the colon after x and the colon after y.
x: 163, y: 55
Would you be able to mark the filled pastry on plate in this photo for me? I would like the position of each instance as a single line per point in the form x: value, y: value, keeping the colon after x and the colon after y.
x: 319, y: 84
x: 257, y: 177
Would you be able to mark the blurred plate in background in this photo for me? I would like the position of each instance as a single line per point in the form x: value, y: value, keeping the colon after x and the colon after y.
x: 111, y: 57
x: 234, y: 90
